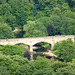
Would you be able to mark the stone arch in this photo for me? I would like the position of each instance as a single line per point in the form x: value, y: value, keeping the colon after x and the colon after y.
x: 41, y: 41
x: 50, y: 45
x: 20, y: 43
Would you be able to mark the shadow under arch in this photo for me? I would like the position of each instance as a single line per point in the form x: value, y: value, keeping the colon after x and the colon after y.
x: 44, y: 45
x: 19, y: 43
x: 24, y: 47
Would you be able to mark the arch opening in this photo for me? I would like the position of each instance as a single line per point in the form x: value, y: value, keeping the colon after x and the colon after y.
x: 23, y: 46
x: 40, y: 48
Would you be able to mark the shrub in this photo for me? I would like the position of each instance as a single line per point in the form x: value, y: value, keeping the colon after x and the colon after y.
x: 73, y: 61
x: 68, y: 70
x: 45, y: 71
x: 41, y: 63
x: 65, y: 50
x: 24, y: 70
x: 4, y: 71
x: 21, y: 60
x: 12, y: 50
x: 6, y: 31
x: 56, y: 65
x: 7, y: 62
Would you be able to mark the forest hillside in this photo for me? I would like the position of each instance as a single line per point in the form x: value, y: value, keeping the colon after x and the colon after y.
x: 34, y: 18
x: 37, y: 18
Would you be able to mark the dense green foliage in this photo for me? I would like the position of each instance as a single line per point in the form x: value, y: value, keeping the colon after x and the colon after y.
x: 12, y: 62
x: 65, y: 50
x: 21, y: 60
x: 34, y: 29
x: 4, y: 71
x: 38, y: 17
x: 17, y: 65
x: 5, y: 31
x: 11, y: 50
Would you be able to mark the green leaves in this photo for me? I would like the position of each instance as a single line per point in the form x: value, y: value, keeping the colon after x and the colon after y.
x: 34, y: 29
x: 21, y: 60
x: 12, y: 50
x: 68, y: 70
x: 21, y: 9
x: 7, y: 62
x: 58, y: 13
x: 65, y: 50
x: 3, y: 71
x: 5, y: 31
x: 17, y: 65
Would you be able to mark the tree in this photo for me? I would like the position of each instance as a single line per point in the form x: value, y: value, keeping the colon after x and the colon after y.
x: 9, y: 65
x: 19, y: 59
x: 62, y: 68
x: 49, y: 3
x: 65, y: 50
x: 71, y: 3
x: 21, y: 9
x: 39, y: 15
x: 1, y: 19
x: 45, y: 21
x: 34, y: 29
x: 12, y: 50
x: 5, y: 31
x: 56, y: 22
x: 3, y: 1
x: 69, y: 14
x: 45, y: 71
x: 3, y: 71
x: 56, y: 11
x: 61, y: 1
x: 51, y: 30
x: 68, y: 70
x: 66, y: 26
x: 25, y: 70
x: 6, y: 13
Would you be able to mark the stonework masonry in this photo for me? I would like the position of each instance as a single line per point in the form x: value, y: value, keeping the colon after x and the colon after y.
x: 34, y: 40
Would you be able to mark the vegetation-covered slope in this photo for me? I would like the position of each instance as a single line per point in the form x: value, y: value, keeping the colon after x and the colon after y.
x: 35, y: 18
x: 39, y: 17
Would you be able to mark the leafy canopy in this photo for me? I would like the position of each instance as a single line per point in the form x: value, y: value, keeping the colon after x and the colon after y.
x: 65, y: 50
x: 6, y: 31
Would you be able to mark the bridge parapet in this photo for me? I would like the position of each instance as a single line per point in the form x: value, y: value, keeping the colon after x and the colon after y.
x: 34, y: 40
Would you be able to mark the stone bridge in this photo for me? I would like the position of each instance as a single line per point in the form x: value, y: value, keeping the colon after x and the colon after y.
x: 34, y: 40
